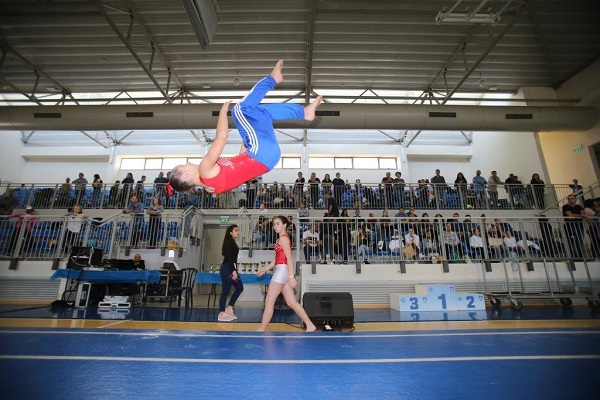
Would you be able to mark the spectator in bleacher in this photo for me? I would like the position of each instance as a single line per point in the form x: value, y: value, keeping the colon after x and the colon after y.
x: 574, y: 218
x: 291, y: 231
x: 136, y: 209
x: 476, y: 245
x: 262, y: 209
x: 508, y: 185
x: 28, y: 218
x: 338, y: 188
x: 127, y: 186
x: 460, y: 185
x: 80, y: 184
x: 63, y: 194
x: 510, y: 243
x: 299, y: 188
x: 343, y: 238
x: 440, y: 188
x: 429, y: 245
x: 251, y: 189
x: 8, y: 202
x: 260, y: 235
x: 160, y: 185
x: 313, y: 189
x: 190, y: 200
x: 451, y: 243
x: 155, y: 212
x: 592, y: 225
x: 97, y: 191
x: 139, y: 189
x: 388, y: 189
x: 495, y: 243
x: 413, y: 240
x: 577, y: 189
x: 362, y: 240
x: 303, y: 212
x: 537, y: 185
x: 399, y: 188
x: 423, y: 225
x: 74, y: 222
x: 331, y: 205
x: 327, y: 234
x: 327, y: 184
x: 493, y: 182
x: 401, y: 213
x: 114, y: 195
x: 311, y: 242
x: 479, y: 183
x: 518, y: 191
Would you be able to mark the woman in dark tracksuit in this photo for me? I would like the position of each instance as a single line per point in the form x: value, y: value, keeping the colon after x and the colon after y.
x: 229, y: 274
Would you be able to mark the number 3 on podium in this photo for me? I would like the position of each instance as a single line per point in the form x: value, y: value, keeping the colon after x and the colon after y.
x: 414, y: 303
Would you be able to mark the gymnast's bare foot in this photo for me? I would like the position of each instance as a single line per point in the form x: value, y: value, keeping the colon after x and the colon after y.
x: 309, y: 110
x: 277, y: 73
x: 311, y: 328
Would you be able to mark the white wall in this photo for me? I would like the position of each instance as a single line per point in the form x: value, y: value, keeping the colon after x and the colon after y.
x: 11, y: 162
x: 506, y: 152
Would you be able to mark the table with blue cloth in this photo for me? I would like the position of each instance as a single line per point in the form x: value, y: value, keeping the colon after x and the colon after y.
x: 149, y: 276
x: 75, y: 276
x: 215, y: 279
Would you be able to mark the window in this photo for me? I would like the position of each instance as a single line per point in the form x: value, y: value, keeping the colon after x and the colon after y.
x: 169, y: 163
x: 132, y: 163
x: 341, y: 163
x: 366, y: 163
x: 288, y: 163
x: 387, y: 163
x: 153, y: 163
x: 320, y: 162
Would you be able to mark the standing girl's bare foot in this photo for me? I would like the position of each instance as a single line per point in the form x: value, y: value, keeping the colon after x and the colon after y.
x: 311, y: 328
x: 277, y: 73
x: 309, y: 110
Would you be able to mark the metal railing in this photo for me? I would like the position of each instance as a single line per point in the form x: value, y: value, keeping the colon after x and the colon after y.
x: 391, y: 240
x: 40, y: 237
x: 423, y: 196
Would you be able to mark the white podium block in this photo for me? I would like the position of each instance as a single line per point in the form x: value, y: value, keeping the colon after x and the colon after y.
x: 441, y: 297
x: 470, y: 301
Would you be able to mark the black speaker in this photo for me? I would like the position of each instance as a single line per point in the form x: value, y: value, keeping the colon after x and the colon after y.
x: 335, y: 309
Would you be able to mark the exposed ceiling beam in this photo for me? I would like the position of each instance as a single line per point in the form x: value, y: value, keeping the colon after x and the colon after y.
x: 100, y: 5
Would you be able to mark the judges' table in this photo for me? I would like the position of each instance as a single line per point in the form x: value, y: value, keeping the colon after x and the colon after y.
x: 215, y: 279
x: 149, y: 276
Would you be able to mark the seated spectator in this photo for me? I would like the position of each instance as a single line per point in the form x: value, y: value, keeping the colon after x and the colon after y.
x: 429, y: 245
x: 476, y: 245
x: 395, y: 244
x: 303, y: 213
x: 451, y: 243
x: 311, y: 243
x: 510, y: 242
x: 496, y: 243
x: 530, y: 245
x: 413, y: 240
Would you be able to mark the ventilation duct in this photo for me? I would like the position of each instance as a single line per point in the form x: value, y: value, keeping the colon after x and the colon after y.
x: 330, y: 116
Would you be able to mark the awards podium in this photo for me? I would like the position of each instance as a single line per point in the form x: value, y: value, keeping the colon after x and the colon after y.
x: 438, y: 303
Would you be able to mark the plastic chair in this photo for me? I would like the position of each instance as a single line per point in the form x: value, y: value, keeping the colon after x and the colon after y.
x: 188, y: 280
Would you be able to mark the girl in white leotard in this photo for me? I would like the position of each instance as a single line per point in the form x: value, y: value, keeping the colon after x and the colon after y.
x: 283, y: 280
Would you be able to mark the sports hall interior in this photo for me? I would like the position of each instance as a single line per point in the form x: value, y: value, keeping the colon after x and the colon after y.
x: 118, y: 87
